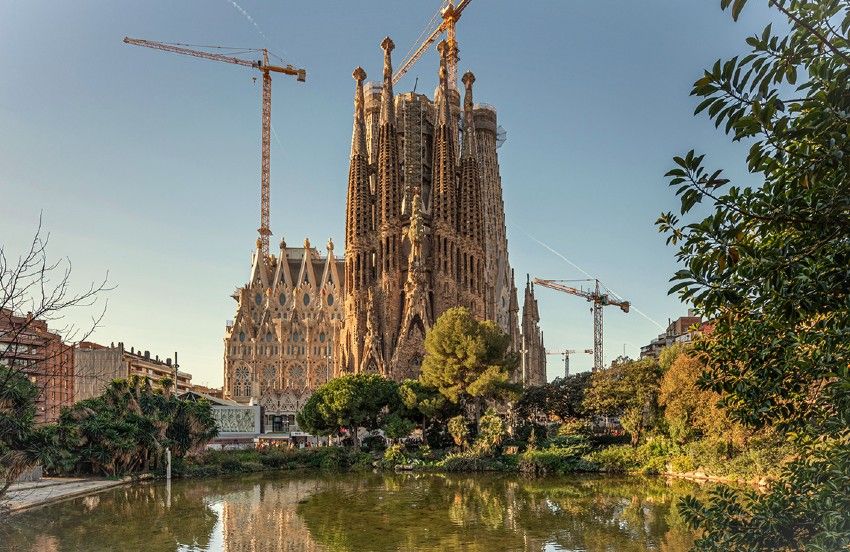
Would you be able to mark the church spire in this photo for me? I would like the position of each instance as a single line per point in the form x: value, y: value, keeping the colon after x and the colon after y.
x: 359, y: 199
x: 444, y: 167
x: 358, y: 134
x: 469, y: 123
x: 389, y: 185
x: 387, y: 102
x: 443, y: 112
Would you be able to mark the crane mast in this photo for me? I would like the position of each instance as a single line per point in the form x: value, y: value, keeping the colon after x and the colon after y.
x: 566, y: 354
x: 598, y: 299
x: 265, y: 150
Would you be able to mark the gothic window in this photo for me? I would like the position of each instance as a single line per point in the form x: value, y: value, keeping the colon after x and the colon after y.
x: 258, y: 298
x: 269, y: 376
x: 282, y: 298
x: 268, y: 336
x: 242, y: 382
x: 241, y: 336
x: 330, y: 299
x: 322, y: 337
x: 296, y: 376
x: 306, y: 299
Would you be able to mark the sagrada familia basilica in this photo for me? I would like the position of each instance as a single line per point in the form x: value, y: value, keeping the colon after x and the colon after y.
x: 424, y: 232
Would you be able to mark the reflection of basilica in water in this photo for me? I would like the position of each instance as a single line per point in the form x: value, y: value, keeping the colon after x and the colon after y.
x: 263, y: 518
x: 353, y: 512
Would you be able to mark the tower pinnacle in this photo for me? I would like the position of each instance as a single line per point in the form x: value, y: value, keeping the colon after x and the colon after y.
x: 358, y: 135
x: 443, y: 117
x: 469, y: 126
x: 387, y: 103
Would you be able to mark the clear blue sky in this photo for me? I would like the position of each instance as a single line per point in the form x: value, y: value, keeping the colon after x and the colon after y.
x: 146, y: 164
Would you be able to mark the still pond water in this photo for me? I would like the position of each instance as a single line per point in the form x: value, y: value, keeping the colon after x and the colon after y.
x: 352, y: 512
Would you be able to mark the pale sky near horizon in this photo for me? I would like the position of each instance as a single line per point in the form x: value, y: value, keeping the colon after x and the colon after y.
x: 145, y: 164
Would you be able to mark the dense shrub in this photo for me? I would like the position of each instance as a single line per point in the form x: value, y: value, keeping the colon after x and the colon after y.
x: 251, y: 460
x: 763, y: 456
x: 395, y: 456
x: 614, y: 459
x: 472, y: 462
x: 562, y: 455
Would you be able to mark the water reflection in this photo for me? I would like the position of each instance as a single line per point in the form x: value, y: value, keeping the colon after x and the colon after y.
x: 434, y: 512
x: 301, y: 512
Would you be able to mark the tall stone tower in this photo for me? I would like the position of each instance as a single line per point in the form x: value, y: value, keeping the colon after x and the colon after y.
x: 425, y: 227
x: 534, y: 351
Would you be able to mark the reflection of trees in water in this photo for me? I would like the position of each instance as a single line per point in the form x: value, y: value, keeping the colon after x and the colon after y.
x: 132, y: 518
x: 608, y: 513
x: 436, y: 512
x: 353, y: 512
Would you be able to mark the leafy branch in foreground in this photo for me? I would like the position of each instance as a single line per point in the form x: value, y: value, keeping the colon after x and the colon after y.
x: 769, y: 266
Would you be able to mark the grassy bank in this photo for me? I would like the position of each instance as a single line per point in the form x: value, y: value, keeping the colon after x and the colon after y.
x: 557, y: 456
x: 230, y: 462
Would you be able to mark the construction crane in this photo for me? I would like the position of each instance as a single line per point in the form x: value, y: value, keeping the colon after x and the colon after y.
x: 266, y: 69
x: 599, y: 300
x: 450, y: 13
x: 566, y: 354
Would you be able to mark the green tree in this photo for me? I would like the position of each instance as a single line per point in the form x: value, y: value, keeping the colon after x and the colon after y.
x: 127, y: 429
x: 424, y: 403
x: 397, y: 427
x: 468, y: 362
x: 691, y: 411
x: 351, y: 401
x: 628, y: 391
x: 769, y: 266
x: 491, y: 430
x: 17, y: 431
x: 561, y: 399
x: 459, y: 430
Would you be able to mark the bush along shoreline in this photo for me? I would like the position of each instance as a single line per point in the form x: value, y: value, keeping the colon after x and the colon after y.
x: 466, y: 414
x: 760, y: 463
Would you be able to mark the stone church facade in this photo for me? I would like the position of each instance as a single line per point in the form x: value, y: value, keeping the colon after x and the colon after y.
x: 425, y: 226
x: 280, y: 346
x: 424, y: 232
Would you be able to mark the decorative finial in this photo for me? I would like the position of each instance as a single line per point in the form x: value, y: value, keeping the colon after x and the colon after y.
x: 259, y: 243
x: 388, y: 45
x: 468, y: 79
x: 330, y: 244
x: 282, y: 243
x: 306, y: 243
x: 359, y: 74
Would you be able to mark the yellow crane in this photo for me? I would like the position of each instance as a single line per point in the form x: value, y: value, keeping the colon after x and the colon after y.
x: 600, y: 299
x: 450, y: 13
x: 266, y: 69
